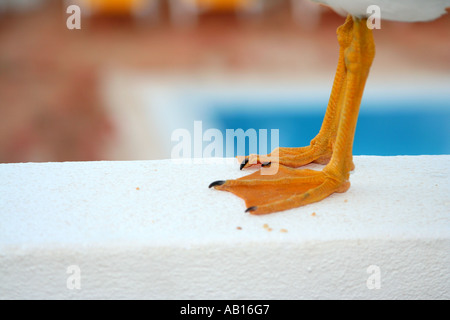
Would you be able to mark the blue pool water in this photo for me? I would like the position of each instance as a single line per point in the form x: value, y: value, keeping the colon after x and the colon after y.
x: 412, y: 130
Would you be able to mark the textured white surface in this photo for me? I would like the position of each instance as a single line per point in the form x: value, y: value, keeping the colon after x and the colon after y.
x: 173, y: 238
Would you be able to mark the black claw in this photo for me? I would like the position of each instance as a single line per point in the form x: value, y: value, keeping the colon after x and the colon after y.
x: 266, y: 164
x: 243, y: 163
x: 249, y: 209
x: 217, y: 183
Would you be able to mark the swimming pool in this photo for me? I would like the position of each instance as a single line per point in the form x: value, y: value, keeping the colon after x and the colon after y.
x: 395, y: 119
x: 393, y: 131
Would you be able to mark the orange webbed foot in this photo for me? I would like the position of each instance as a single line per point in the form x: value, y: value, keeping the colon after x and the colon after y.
x: 286, y: 189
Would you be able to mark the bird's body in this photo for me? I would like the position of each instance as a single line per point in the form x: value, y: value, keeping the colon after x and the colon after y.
x: 395, y: 10
x: 286, y: 187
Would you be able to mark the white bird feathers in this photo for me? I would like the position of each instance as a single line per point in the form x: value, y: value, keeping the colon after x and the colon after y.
x: 396, y: 10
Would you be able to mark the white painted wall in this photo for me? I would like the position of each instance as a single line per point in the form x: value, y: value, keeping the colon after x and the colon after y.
x: 176, y: 239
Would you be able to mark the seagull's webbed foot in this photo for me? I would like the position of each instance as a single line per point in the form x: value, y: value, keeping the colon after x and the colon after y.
x: 288, y: 188
x: 285, y: 187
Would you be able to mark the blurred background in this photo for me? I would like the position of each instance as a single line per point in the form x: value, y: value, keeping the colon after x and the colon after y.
x: 137, y: 70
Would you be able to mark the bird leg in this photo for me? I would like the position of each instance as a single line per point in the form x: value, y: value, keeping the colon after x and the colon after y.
x: 321, y: 147
x: 288, y: 187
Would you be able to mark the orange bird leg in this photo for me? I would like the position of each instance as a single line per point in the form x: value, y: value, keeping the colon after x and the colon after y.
x: 290, y: 188
x: 321, y: 147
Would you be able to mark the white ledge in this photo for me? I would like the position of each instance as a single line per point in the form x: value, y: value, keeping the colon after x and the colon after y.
x: 153, y: 230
